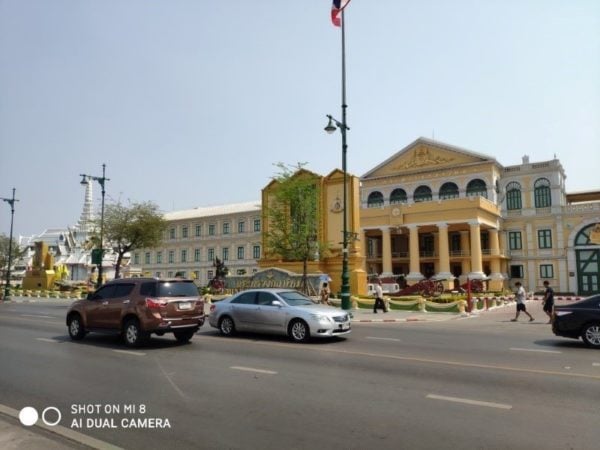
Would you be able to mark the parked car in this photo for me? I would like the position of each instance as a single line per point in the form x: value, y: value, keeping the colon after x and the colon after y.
x: 138, y: 307
x: 579, y: 319
x: 278, y: 311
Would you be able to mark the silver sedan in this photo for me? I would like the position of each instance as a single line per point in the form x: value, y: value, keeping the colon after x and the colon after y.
x: 278, y: 311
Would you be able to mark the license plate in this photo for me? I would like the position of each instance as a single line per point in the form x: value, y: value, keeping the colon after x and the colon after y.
x: 185, y: 305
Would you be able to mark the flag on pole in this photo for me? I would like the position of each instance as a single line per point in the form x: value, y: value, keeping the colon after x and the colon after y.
x: 336, y: 11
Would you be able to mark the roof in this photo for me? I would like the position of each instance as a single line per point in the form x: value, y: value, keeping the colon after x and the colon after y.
x: 209, y: 211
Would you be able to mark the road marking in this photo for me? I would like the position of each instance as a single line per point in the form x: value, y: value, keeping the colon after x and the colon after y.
x: 383, y: 338
x: 54, y: 341
x: 170, y: 380
x: 250, y: 369
x: 129, y: 352
x: 516, y: 349
x: 38, y: 316
x: 469, y: 401
x: 596, y: 364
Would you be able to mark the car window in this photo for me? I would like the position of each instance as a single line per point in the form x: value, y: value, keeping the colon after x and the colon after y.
x: 104, y: 292
x: 265, y: 298
x: 245, y: 298
x: 295, y: 298
x: 148, y: 289
x: 177, y: 289
x: 123, y: 290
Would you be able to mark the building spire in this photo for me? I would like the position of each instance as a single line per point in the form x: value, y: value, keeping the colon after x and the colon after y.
x: 87, y: 214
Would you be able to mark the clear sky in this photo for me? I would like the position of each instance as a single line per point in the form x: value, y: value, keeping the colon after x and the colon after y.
x: 191, y: 102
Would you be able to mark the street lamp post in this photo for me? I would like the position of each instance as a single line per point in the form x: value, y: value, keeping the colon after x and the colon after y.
x: 101, y: 180
x: 11, y: 202
x: 330, y: 128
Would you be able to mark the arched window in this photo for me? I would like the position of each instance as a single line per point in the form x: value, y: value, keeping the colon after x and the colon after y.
x: 513, y: 196
x: 422, y: 194
x: 448, y: 190
x: 476, y: 188
x: 375, y: 199
x: 541, y: 193
x: 398, y: 196
x: 584, y: 236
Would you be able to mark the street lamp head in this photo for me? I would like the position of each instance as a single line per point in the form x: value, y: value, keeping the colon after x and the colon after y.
x: 84, y: 179
x: 330, y: 128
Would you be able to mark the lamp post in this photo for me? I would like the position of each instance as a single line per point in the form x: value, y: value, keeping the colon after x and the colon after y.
x: 330, y: 128
x: 11, y: 202
x: 101, y: 180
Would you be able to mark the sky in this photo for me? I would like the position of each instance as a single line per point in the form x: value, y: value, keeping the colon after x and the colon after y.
x: 192, y: 102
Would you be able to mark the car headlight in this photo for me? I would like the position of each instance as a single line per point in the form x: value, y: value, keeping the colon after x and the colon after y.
x: 320, y: 318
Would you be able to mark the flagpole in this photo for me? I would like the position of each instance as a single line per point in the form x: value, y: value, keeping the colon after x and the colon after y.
x: 345, y: 294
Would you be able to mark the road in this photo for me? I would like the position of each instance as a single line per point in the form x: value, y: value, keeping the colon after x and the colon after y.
x: 479, y: 382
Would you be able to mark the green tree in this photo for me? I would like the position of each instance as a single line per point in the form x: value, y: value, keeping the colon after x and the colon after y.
x: 16, y: 251
x: 293, y: 217
x: 126, y: 228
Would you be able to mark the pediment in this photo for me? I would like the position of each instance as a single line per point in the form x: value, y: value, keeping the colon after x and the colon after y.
x: 424, y: 155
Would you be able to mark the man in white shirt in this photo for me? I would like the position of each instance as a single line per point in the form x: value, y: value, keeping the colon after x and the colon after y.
x: 520, y: 299
x: 379, y: 303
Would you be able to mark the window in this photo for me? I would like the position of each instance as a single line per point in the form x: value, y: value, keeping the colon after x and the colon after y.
x: 184, y: 232
x: 122, y: 290
x: 541, y: 193
x: 265, y: 298
x: 241, y: 226
x: 514, y: 240
x: 516, y: 271
x: 455, y: 243
x: 241, y: 272
x: 226, y: 228
x: 136, y: 258
x: 183, y: 255
x: 171, y: 256
x: 398, y: 196
x: 476, y: 188
x: 198, y: 232
x: 240, y: 252
x: 211, y: 229
x: 256, y: 252
x: 513, y: 196
x: 484, y: 237
x: 172, y: 233
x: 210, y: 256
x: 256, y: 224
x: 245, y: 298
x: 422, y: 194
x: 157, y: 274
x: 448, y: 190
x: 196, y: 255
x: 147, y: 258
x: 546, y: 271
x: 170, y: 274
x: 210, y: 274
x: 158, y: 257
x: 375, y: 199
x: 544, y: 238
x: 226, y: 254
x: 196, y: 274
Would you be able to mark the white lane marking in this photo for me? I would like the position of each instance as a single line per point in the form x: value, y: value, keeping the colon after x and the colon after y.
x: 54, y: 341
x: 37, y: 316
x: 516, y: 349
x: 170, y: 380
x: 383, y: 338
x: 129, y: 352
x: 596, y: 364
x: 469, y: 401
x: 251, y: 369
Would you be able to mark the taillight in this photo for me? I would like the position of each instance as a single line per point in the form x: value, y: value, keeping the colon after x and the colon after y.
x: 153, y: 303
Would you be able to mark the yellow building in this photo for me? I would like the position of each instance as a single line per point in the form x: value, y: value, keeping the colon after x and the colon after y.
x: 433, y: 209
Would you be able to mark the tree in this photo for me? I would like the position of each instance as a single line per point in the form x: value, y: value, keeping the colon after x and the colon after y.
x: 127, y: 228
x: 293, y: 216
x: 16, y: 251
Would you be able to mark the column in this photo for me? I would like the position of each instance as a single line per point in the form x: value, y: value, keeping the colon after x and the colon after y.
x: 496, y: 282
x: 465, y: 248
x: 386, y: 257
x: 476, y: 264
x: 415, y: 260
x: 444, y: 252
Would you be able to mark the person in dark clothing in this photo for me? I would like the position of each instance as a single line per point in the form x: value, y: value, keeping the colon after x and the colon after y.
x: 548, y: 300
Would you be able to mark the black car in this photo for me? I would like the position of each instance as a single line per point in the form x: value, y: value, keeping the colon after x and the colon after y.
x: 579, y: 320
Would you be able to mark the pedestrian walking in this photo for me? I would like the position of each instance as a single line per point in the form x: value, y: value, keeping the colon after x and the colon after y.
x: 379, y: 303
x: 325, y: 294
x: 548, y: 300
x: 520, y: 299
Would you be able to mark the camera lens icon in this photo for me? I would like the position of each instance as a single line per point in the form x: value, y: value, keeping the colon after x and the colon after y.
x: 29, y: 416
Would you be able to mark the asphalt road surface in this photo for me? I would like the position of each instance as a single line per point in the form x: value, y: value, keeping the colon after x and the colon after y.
x: 479, y: 382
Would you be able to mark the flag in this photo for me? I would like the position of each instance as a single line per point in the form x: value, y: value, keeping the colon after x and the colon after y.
x: 336, y: 10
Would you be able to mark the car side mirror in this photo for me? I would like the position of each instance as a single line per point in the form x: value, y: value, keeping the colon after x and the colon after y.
x: 276, y: 303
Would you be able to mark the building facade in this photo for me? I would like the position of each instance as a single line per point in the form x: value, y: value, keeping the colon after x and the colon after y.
x: 194, y: 238
x: 436, y: 210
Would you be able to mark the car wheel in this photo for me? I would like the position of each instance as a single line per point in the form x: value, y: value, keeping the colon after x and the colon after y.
x: 226, y: 326
x: 591, y: 335
x: 76, y: 328
x: 184, y: 336
x: 299, y: 331
x: 133, y: 334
